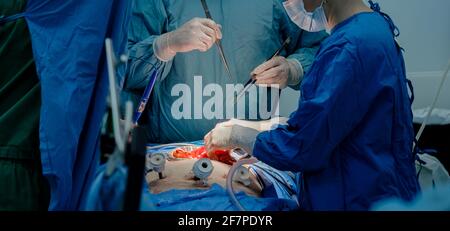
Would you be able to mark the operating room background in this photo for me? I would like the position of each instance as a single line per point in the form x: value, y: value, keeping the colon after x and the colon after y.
x: 425, y: 36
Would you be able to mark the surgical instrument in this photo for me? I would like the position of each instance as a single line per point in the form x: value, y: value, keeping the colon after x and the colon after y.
x: 238, y: 154
x: 218, y: 42
x: 129, y: 153
x: 252, y: 81
x: 112, y: 62
x: 146, y: 95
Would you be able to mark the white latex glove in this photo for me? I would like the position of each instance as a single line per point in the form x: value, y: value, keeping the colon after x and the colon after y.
x: 238, y: 134
x: 260, y: 126
x: 197, y: 34
x: 279, y: 71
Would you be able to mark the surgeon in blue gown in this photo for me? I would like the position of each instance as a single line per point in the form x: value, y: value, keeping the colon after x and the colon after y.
x: 352, y: 135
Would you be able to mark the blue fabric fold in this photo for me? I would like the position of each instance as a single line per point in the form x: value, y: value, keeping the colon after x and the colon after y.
x: 68, y: 45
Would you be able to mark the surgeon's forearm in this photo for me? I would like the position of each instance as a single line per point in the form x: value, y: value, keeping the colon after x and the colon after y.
x: 270, y: 147
x: 141, y: 61
x: 260, y: 126
x: 273, y: 123
x: 246, y: 138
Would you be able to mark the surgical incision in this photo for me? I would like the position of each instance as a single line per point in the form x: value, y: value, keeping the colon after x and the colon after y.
x: 179, y: 175
x: 198, y: 153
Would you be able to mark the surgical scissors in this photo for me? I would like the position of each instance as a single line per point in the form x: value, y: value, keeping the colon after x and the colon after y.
x: 252, y: 81
x: 218, y: 42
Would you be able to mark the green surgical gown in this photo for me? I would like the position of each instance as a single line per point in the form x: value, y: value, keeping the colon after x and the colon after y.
x: 252, y: 31
x: 22, y: 185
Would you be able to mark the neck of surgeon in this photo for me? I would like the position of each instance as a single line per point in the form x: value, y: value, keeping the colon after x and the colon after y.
x: 338, y: 11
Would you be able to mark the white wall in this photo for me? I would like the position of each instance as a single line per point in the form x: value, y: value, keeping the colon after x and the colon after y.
x: 425, y: 35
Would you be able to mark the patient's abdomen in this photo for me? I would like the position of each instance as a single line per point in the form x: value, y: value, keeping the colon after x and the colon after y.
x: 178, y: 175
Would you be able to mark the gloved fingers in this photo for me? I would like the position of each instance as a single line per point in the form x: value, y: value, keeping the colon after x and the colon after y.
x: 263, y: 67
x: 208, y: 145
x: 218, y: 138
x: 206, y: 43
x: 273, y: 73
x: 213, y: 25
x: 212, y: 145
x: 208, y: 22
x: 202, y: 47
x: 211, y: 33
x: 266, y: 66
x: 207, y: 138
x: 219, y: 32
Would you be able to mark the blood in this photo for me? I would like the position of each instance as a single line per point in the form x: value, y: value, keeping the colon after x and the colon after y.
x: 199, y: 153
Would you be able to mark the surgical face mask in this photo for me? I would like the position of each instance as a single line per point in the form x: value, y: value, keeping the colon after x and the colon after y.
x: 309, y: 21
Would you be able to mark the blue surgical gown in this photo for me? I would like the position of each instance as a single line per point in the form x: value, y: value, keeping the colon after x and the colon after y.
x: 68, y: 46
x: 352, y: 133
x: 252, y: 31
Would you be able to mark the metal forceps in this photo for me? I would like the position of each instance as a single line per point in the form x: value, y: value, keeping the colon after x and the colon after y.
x: 218, y: 43
x: 251, y: 81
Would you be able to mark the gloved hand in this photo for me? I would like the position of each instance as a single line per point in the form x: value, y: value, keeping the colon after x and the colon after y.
x: 279, y: 71
x: 238, y: 134
x: 197, y: 34
x: 260, y: 126
x: 229, y: 137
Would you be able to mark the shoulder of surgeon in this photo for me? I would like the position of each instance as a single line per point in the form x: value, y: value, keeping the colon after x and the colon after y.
x: 366, y: 35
